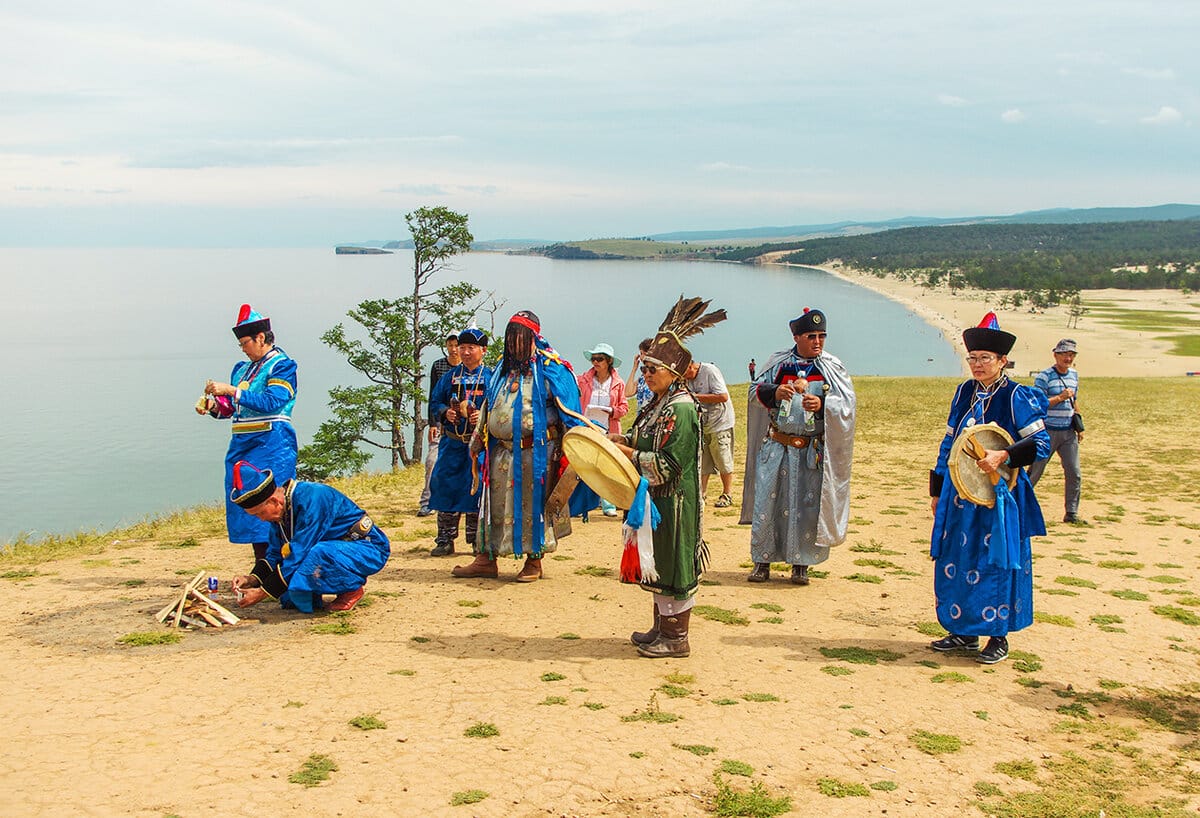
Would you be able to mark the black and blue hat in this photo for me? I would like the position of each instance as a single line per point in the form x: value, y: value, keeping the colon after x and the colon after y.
x: 251, y: 485
x: 473, y: 335
x: 808, y: 321
x: 250, y: 322
x: 988, y: 337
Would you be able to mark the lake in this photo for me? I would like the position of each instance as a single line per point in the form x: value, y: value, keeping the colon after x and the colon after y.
x: 107, y: 350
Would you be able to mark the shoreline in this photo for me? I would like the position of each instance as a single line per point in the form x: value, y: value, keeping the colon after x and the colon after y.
x: 1106, y: 348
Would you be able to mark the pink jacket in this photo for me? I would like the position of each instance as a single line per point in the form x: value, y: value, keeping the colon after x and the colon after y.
x: 620, y: 405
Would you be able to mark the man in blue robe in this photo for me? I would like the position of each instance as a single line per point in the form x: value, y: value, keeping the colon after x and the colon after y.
x: 983, y: 560
x: 455, y: 403
x: 320, y: 543
x: 258, y: 400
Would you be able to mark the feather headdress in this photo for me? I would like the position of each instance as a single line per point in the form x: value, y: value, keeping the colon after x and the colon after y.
x: 685, y: 319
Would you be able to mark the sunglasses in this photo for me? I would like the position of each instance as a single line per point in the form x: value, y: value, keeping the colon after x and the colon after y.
x: 648, y: 369
x: 598, y: 358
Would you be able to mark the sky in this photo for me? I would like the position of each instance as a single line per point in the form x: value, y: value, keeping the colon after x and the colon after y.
x: 179, y: 123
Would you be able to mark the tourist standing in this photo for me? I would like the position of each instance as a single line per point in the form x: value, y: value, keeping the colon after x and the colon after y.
x: 1064, y: 423
x: 602, y: 396
x: 716, y: 423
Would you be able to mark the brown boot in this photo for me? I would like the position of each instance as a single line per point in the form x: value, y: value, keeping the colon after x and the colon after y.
x: 761, y: 572
x: 672, y: 641
x: 483, y: 566
x: 531, y: 571
x: 799, y: 574
x: 639, y: 638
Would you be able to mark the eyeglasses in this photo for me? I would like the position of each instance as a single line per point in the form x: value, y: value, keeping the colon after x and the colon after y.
x: 648, y: 369
x: 598, y: 358
x: 813, y: 336
x: 981, y: 360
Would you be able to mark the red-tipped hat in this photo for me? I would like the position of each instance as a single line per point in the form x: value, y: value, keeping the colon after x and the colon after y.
x: 250, y: 322
x: 251, y: 485
x: 988, y: 337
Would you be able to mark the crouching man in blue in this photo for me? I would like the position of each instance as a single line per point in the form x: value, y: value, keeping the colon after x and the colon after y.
x: 320, y: 543
x: 983, y: 571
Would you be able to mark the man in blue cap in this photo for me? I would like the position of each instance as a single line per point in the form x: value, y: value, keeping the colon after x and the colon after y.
x: 320, y: 543
x: 258, y: 400
x: 454, y: 404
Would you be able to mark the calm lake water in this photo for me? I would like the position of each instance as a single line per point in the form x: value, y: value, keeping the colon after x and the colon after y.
x: 106, y: 351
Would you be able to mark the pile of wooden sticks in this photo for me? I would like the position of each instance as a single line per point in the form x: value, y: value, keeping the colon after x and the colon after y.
x: 192, y: 609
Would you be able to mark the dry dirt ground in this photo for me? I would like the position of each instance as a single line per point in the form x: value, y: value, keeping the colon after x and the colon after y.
x: 816, y: 691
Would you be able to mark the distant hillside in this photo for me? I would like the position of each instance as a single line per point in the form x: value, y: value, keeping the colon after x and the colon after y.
x: 1134, y: 255
x: 1054, y: 216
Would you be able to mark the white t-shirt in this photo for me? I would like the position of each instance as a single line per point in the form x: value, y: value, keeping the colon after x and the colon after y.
x: 717, y: 416
x: 601, y: 396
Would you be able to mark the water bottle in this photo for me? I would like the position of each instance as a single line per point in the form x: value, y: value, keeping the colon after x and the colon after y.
x: 212, y: 587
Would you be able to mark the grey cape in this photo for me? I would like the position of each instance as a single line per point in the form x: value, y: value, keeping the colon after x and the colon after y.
x: 840, y: 404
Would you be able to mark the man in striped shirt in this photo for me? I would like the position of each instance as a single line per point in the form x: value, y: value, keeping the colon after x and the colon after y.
x: 1061, y: 385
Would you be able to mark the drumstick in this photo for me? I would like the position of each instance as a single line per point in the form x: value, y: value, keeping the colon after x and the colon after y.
x: 580, y: 417
x: 979, y: 453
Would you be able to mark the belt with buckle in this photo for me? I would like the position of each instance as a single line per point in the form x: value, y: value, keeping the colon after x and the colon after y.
x: 795, y: 441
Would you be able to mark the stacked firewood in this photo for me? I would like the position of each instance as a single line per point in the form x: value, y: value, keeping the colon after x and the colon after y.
x: 192, y: 609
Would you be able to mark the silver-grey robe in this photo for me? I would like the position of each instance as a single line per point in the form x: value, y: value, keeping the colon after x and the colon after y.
x: 798, y: 500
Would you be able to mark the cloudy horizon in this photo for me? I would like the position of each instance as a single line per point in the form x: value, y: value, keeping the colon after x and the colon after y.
x: 260, y: 124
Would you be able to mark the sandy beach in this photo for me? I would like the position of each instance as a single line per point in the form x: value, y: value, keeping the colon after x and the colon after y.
x: 806, y: 692
x: 1106, y: 349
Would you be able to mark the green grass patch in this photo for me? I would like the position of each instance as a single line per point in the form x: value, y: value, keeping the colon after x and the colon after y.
x: 1177, y: 712
x: 315, y: 769
x: 139, y: 639
x: 884, y: 786
x: 1075, y: 582
x: 837, y: 670
x: 929, y: 663
x: 1023, y: 769
x: 767, y: 606
x: 481, y: 729
x: 724, y: 702
x: 982, y: 715
x: 1180, y: 615
x: 861, y: 656
x: 1076, y: 710
x: 467, y: 797
x: 470, y: 603
x: 858, y: 731
x: 133, y: 583
x: 1075, y: 559
x: 722, y: 615
x: 339, y: 624
x: 860, y: 577
x: 402, y: 672
x: 594, y: 705
x: 569, y: 636
x: 552, y: 700
x: 594, y: 571
x: 1106, y: 619
x: 1060, y: 592
x: 755, y: 803
x: 696, y: 749
x: 951, y: 676
x: 677, y: 678
x: 760, y: 697
x: 476, y: 615
x: 1166, y: 579
x: 1191, y: 600
x: 833, y: 788
x: 675, y: 691
x: 1025, y: 662
x: 875, y: 563
x: 1132, y: 596
x: 1110, y: 684
x: 1053, y: 619
x: 935, y: 744
x: 1121, y: 565
x: 930, y: 629
x: 20, y: 573
x: 731, y: 767
x: 368, y: 722
x: 551, y: 676
x: 653, y: 713
x: 294, y: 704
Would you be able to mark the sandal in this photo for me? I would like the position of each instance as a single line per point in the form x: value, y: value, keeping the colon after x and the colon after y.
x: 724, y: 501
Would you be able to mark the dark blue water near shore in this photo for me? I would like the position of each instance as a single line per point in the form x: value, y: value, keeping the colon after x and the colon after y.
x: 107, y: 350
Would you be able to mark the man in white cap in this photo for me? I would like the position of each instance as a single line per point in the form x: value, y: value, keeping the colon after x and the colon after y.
x: 1064, y: 423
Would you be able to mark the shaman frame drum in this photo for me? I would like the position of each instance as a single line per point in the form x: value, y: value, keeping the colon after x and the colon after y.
x: 971, y: 483
x: 601, y: 465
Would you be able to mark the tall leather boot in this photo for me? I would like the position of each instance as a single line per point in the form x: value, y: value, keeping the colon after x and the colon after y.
x: 639, y: 638
x: 531, y: 571
x: 483, y: 566
x: 672, y: 641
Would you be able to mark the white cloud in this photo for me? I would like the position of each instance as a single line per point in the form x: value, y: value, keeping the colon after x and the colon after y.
x: 951, y: 100
x: 1150, y: 73
x: 1013, y: 115
x: 1166, y: 116
x: 720, y: 167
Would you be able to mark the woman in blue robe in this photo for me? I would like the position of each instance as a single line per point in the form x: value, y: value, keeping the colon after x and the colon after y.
x: 983, y: 562
x: 258, y: 399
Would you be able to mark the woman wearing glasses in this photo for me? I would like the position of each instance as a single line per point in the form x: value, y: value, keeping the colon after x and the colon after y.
x: 983, y: 578
x: 664, y: 447
x: 602, y: 395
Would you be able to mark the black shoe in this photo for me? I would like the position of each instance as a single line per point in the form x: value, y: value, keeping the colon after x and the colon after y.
x: 442, y: 550
x: 996, y: 650
x: 761, y: 572
x: 1073, y: 518
x: 424, y: 511
x: 955, y: 642
x: 799, y: 574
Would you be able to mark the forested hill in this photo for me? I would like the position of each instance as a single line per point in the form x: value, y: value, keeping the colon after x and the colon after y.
x: 1131, y: 255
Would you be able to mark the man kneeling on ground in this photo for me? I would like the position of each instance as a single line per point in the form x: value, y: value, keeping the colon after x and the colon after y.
x: 320, y: 543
